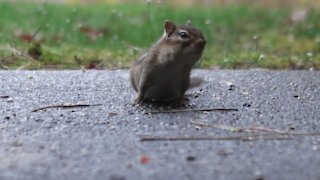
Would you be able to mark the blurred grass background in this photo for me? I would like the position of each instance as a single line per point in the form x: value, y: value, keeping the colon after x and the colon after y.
x: 109, y: 34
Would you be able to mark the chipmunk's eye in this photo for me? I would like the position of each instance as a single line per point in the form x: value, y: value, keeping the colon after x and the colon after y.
x: 184, y: 35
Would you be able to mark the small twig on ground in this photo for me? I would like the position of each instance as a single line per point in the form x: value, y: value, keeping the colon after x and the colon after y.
x: 18, y: 53
x: 4, y: 96
x: 191, y: 110
x: 244, y: 138
x: 115, y: 113
x: 231, y: 128
x: 23, y: 66
x: 34, y: 35
x: 65, y: 106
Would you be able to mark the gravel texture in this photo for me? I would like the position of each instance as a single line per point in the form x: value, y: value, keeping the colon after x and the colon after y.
x: 103, y: 142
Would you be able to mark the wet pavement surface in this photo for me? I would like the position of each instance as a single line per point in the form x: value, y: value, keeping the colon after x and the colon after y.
x: 104, y: 141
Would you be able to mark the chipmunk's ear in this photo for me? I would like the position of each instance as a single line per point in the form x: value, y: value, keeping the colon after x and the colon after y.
x: 169, y: 27
x: 189, y: 23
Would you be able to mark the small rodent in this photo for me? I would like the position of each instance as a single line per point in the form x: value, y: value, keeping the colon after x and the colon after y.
x: 162, y: 73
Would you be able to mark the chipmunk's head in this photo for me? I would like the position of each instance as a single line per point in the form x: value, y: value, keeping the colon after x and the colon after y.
x: 185, y: 40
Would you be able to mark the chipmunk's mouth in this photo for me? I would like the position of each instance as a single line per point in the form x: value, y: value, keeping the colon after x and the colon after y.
x: 198, y: 46
x: 201, y: 43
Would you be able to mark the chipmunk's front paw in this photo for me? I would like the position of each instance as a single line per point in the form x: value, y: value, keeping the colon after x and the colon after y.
x: 138, y: 100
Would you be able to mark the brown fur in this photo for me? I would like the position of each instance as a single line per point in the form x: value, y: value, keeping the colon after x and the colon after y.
x: 162, y: 74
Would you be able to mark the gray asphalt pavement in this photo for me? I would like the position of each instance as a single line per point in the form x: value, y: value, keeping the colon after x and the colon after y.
x: 103, y: 142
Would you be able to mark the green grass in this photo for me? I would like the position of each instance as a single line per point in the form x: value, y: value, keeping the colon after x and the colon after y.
x: 112, y: 36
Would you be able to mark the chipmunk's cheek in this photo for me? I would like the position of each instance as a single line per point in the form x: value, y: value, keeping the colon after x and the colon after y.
x: 194, y: 48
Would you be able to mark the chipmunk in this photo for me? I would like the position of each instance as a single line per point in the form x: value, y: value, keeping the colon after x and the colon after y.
x: 162, y: 73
